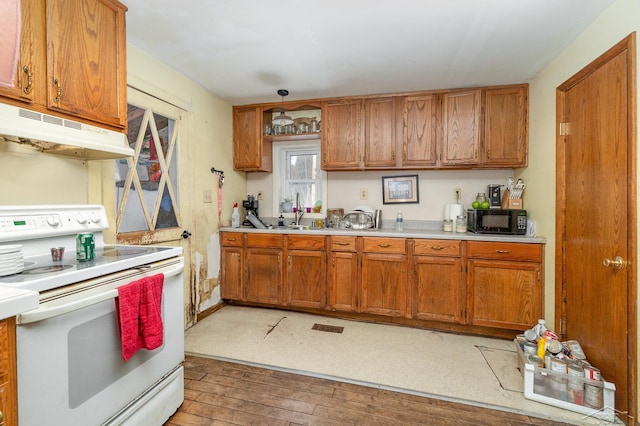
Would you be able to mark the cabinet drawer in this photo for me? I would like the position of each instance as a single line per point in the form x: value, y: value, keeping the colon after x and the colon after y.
x: 384, y: 245
x: 343, y: 243
x: 437, y: 248
x: 231, y: 239
x: 506, y: 251
x: 265, y: 240
x: 305, y: 242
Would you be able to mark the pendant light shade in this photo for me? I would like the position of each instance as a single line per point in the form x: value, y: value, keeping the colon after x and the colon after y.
x: 282, y: 119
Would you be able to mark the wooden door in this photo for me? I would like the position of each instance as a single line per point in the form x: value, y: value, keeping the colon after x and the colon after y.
x: 8, y: 374
x: 344, y: 281
x: 341, y: 136
x: 231, y: 271
x: 379, y: 132
x: 263, y: 275
x: 596, y: 216
x: 31, y: 52
x: 419, y: 130
x: 86, y: 59
x: 306, y: 278
x: 249, y: 153
x: 437, y: 289
x: 461, y: 127
x: 505, y: 127
x: 504, y: 294
x: 384, y: 284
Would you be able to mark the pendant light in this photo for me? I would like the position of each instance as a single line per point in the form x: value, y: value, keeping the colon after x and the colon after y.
x: 282, y: 119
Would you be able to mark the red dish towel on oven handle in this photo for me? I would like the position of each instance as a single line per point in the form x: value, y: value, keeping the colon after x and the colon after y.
x: 139, y: 315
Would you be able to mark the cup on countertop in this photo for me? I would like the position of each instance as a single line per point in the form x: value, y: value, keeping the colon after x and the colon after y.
x: 57, y: 253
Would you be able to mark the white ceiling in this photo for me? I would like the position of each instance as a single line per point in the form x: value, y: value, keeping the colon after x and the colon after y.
x: 245, y: 50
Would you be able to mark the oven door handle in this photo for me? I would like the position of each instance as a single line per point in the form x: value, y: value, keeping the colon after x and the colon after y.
x: 41, y: 314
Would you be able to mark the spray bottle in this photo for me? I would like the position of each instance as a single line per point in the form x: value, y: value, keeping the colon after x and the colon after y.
x: 235, y: 217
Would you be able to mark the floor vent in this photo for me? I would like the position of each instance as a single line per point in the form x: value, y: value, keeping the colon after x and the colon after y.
x: 328, y: 328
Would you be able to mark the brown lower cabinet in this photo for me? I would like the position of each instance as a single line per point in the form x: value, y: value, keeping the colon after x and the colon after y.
x: 384, y: 276
x: 306, y: 283
x: 8, y: 389
x: 344, y: 274
x: 472, y: 286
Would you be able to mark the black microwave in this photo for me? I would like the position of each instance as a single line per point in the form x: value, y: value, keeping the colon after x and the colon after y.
x: 497, y: 221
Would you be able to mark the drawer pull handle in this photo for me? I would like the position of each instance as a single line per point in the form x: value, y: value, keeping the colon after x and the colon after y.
x: 231, y: 239
x: 437, y: 247
x: 343, y: 244
x: 58, y: 90
x: 503, y: 251
x: 29, y: 74
x: 384, y: 245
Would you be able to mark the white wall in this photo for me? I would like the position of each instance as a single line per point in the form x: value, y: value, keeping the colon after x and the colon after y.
x: 617, y: 22
x: 435, y: 190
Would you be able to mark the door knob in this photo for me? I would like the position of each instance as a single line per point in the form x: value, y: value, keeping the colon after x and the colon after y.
x: 617, y: 263
x: 185, y: 234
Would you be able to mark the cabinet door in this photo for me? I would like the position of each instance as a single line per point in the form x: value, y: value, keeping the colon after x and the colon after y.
x: 504, y: 294
x: 8, y: 402
x: 250, y: 152
x: 384, y: 284
x: 461, y: 127
x: 263, y: 275
x: 342, y: 135
x: 505, y: 127
x: 379, y: 133
x: 231, y: 273
x: 438, y: 289
x: 30, y: 53
x: 306, y: 278
x: 419, y: 130
x: 86, y: 59
x: 344, y: 281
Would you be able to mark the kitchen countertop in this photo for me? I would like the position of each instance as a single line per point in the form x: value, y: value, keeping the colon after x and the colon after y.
x: 390, y: 232
x: 14, y: 301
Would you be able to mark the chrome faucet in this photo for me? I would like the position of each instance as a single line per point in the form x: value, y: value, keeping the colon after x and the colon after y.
x: 299, y: 209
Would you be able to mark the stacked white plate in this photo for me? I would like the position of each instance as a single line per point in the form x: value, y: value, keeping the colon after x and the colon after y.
x: 11, y: 259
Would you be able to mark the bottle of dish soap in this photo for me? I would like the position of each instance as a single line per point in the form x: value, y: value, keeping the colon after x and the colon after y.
x: 235, y: 217
x: 399, y: 222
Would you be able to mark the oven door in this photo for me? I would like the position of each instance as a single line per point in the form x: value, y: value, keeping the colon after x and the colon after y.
x: 70, y: 366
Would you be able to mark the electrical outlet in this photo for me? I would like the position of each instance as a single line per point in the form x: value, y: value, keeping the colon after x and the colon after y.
x: 208, y: 196
x: 364, y: 194
x: 260, y: 196
x: 457, y: 193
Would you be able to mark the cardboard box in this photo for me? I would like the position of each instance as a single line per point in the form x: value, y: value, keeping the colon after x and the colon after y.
x: 539, y: 386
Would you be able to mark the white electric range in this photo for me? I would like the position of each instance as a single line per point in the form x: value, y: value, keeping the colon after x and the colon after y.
x: 69, y: 346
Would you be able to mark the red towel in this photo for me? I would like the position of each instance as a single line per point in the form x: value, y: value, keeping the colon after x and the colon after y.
x: 139, y: 315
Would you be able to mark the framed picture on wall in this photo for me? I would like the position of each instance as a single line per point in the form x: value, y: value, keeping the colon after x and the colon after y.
x: 400, y: 189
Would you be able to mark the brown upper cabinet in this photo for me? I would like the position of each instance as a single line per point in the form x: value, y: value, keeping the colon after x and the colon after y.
x: 72, y: 61
x: 462, y: 129
x: 341, y: 140
x: 419, y: 127
x: 380, y: 148
x: 505, y: 127
x: 250, y: 152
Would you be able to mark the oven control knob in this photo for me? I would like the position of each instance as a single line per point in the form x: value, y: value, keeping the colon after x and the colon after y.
x: 95, y: 217
x: 53, y: 220
x: 81, y: 219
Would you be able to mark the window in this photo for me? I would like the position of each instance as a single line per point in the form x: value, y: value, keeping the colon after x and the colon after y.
x: 298, y: 171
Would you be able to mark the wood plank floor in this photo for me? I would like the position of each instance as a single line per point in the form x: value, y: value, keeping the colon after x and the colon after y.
x: 223, y: 393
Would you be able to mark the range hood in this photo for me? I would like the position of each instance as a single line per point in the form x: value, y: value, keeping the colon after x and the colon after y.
x: 58, y: 136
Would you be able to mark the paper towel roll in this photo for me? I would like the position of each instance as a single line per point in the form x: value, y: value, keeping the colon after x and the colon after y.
x: 452, y: 211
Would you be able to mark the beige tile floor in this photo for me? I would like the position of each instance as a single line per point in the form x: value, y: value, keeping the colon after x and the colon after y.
x: 474, y: 370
